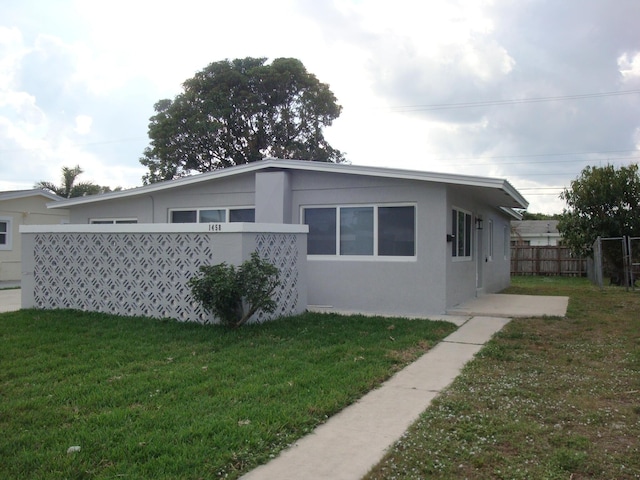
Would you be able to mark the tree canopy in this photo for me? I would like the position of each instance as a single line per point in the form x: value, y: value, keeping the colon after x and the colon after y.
x: 239, y: 111
x: 602, y: 201
x: 539, y: 216
x: 69, y: 188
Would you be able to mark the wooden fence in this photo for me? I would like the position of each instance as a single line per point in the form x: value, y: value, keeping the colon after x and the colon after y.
x: 528, y: 260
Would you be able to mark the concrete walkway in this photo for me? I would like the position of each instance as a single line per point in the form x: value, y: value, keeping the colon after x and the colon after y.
x: 10, y: 300
x: 352, y: 442
x: 513, y: 306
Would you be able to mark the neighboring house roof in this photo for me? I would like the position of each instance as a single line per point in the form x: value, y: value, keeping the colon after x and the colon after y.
x: 501, y: 192
x: 14, y: 194
x: 535, y: 228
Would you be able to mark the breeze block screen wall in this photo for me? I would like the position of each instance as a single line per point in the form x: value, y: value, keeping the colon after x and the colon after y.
x: 143, y: 269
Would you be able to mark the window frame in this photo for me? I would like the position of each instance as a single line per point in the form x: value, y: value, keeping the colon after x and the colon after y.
x: 226, y: 210
x: 375, y: 256
x: 490, y: 240
x: 506, y: 243
x: 468, y: 238
x: 112, y: 221
x: 8, y: 235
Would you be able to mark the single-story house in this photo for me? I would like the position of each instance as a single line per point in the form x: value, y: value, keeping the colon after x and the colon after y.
x: 535, y: 233
x: 380, y: 240
x: 23, y: 207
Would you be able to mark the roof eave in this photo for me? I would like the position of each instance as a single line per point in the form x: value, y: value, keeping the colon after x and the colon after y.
x: 455, y: 179
x: 30, y: 193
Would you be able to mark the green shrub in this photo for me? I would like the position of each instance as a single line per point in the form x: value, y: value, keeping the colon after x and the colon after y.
x: 234, y: 295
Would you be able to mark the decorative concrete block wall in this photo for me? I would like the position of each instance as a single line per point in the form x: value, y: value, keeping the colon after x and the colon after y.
x: 144, y: 269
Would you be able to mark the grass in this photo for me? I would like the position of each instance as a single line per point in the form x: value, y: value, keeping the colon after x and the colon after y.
x: 547, y: 398
x: 158, y: 399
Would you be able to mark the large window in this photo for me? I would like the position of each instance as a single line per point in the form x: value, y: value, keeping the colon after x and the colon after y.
x: 211, y: 215
x: 382, y: 231
x: 5, y: 233
x: 322, y: 230
x: 462, y: 234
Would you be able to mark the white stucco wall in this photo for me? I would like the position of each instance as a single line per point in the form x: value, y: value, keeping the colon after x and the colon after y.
x: 144, y: 269
x: 24, y: 211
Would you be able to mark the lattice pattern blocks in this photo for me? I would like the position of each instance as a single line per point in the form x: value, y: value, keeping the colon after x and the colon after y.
x: 130, y: 273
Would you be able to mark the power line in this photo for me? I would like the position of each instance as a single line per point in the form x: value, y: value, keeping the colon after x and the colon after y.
x: 561, y: 154
x: 513, y: 101
x: 88, y: 144
x: 538, y: 162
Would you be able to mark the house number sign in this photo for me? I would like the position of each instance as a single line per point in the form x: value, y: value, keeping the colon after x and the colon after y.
x: 215, y: 227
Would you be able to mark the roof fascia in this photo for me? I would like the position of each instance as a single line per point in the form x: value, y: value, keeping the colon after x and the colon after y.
x: 512, y: 213
x: 455, y: 179
x: 30, y: 193
x: 165, y: 185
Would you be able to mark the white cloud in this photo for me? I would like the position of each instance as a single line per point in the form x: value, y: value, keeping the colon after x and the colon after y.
x: 83, y: 124
x: 78, y: 80
x: 629, y: 65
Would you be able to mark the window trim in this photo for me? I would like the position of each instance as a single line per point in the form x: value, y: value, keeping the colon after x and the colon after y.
x: 8, y: 245
x: 365, y: 258
x: 490, y: 240
x: 112, y: 221
x: 226, y: 210
x: 506, y: 244
x: 454, y: 250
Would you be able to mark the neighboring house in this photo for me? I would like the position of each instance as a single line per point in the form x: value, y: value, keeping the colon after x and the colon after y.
x: 383, y: 241
x: 535, y: 233
x: 23, y: 207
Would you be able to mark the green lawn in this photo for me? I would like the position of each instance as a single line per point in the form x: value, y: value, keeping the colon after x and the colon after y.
x: 151, y: 399
x: 547, y: 398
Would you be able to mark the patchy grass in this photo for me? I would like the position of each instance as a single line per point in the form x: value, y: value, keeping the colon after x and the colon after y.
x: 547, y: 398
x: 158, y: 399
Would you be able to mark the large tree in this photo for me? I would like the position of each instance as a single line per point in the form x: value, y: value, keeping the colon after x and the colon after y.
x: 70, y: 188
x: 602, y: 201
x: 240, y: 111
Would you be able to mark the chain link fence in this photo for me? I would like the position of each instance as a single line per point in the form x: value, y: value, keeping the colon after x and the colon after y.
x: 617, y: 260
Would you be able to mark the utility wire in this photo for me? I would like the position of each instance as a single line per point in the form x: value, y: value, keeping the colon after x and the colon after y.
x: 513, y: 101
x: 537, y: 162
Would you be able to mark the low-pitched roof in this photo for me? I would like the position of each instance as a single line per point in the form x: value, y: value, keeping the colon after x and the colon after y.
x: 504, y: 194
x: 14, y: 194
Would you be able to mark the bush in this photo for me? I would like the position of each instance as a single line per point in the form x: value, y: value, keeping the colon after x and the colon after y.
x: 234, y: 295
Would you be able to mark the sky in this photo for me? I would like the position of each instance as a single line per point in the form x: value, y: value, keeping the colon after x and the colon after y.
x: 529, y: 90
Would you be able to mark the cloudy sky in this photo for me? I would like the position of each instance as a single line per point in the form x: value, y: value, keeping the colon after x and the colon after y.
x: 529, y: 90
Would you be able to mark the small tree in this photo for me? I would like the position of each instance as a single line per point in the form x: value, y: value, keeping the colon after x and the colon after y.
x: 234, y: 295
x: 603, y: 201
x: 69, y: 188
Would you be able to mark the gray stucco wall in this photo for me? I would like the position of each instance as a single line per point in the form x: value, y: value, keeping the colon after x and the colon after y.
x: 429, y: 283
x: 394, y: 286
x: 154, y: 207
x: 482, y: 273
